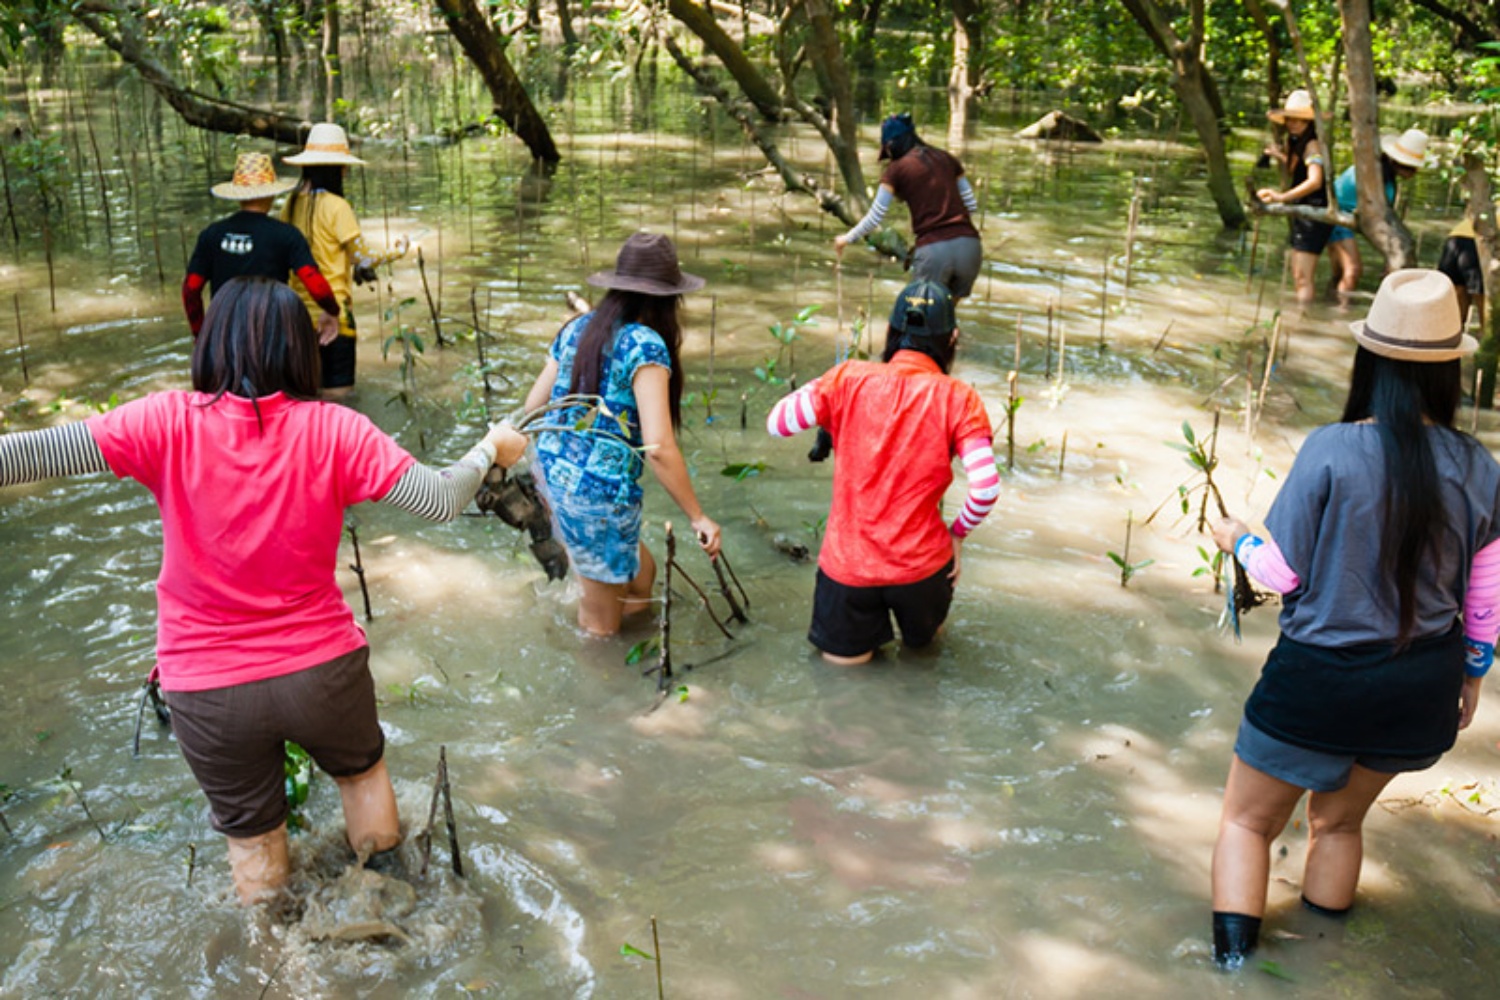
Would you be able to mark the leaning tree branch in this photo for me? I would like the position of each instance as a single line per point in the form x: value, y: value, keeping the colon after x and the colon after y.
x: 794, y: 179
x: 1469, y: 29
x: 199, y: 110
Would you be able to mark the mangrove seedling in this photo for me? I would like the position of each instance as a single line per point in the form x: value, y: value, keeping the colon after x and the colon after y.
x: 65, y: 779
x: 628, y: 950
x: 412, y: 345
x: 1128, y: 569
x: 297, y: 764
x: 441, y: 790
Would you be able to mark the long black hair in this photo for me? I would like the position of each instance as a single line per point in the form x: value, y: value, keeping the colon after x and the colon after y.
x: 1296, y: 145
x: 316, y: 177
x: 941, y: 348
x: 1403, y: 398
x: 257, y: 339
x: 618, y: 307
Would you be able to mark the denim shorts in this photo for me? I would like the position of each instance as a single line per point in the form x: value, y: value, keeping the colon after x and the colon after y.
x: 1314, y: 770
x: 603, y: 537
x: 1340, y: 233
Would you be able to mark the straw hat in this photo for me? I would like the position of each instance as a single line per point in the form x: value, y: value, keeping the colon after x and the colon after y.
x: 254, y: 178
x: 1299, y: 104
x: 647, y: 263
x: 1415, y: 318
x: 1410, y: 150
x: 327, y: 144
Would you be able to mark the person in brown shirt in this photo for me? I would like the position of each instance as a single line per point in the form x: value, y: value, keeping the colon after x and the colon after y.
x: 932, y: 183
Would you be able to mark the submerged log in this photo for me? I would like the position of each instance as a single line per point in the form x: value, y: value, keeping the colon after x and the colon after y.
x: 1060, y: 126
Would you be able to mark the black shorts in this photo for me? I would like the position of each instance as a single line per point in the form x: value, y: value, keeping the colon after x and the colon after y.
x: 1460, y: 262
x: 1309, y: 236
x: 337, y: 361
x: 234, y: 737
x: 852, y: 621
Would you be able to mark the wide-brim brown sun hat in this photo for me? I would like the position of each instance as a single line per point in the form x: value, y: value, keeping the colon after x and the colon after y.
x: 327, y: 145
x: 1298, y: 104
x: 647, y: 263
x: 1415, y: 318
x: 254, y: 178
x: 1408, y: 149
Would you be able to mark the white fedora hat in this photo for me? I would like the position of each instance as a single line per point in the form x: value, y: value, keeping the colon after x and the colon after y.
x: 1409, y: 150
x: 1415, y: 318
x: 327, y: 145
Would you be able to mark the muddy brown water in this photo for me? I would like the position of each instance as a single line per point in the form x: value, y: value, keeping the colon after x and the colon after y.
x: 1028, y: 811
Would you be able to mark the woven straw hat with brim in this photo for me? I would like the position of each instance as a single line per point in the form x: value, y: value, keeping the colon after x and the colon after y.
x: 1299, y: 104
x: 1415, y: 318
x: 1409, y: 149
x: 327, y: 145
x: 254, y: 178
x: 647, y: 263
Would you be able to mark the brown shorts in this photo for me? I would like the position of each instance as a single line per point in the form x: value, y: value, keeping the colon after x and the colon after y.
x: 234, y: 737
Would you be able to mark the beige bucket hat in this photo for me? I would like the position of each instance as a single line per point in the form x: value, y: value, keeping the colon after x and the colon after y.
x: 1410, y: 150
x: 1415, y: 318
x: 254, y: 178
x: 1299, y: 104
x: 327, y: 144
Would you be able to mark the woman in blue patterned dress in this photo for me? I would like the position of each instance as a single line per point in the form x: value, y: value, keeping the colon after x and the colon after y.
x: 626, y: 353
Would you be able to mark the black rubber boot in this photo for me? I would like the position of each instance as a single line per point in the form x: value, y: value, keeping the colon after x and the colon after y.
x: 1324, y: 911
x: 1235, y: 937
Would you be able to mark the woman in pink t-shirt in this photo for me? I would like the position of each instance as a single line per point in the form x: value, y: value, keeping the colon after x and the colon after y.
x: 255, y: 643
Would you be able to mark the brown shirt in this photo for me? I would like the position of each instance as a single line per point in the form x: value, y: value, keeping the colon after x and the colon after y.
x: 927, y: 180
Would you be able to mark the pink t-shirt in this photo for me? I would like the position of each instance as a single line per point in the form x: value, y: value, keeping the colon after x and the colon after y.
x: 251, y: 521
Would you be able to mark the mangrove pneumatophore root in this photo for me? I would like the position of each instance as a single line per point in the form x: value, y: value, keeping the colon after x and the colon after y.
x: 150, y: 693
x: 441, y: 790
x: 358, y: 567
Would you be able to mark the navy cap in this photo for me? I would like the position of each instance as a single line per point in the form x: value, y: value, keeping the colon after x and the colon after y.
x: 923, y: 309
x: 895, y: 126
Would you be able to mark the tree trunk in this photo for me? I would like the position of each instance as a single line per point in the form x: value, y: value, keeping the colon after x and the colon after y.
x: 1198, y: 95
x: 1377, y: 220
x: 825, y: 51
x: 963, y: 76
x: 565, y: 24
x: 1267, y: 29
x: 196, y: 109
x: 1470, y: 32
x: 866, y: 84
x: 482, y: 45
x: 700, y: 21
x: 1487, y: 240
x: 332, y: 72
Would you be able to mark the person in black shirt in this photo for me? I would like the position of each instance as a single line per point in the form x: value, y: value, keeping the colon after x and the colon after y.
x: 251, y: 243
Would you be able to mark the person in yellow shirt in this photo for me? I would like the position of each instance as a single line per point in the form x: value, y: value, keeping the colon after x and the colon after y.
x: 1460, y: 262
x: 317, y: 208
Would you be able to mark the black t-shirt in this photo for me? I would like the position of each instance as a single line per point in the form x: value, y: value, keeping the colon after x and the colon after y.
x: 249, y: 243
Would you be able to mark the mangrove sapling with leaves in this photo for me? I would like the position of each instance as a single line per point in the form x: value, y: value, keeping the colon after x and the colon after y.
x: 412, y: 345
x: 297, y: 765
x: 1201, y: 454
x: 1128, y: 569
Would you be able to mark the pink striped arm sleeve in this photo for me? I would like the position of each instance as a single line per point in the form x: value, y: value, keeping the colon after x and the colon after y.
x: 1482, y: 610
x: 1264, y: 561
x: 793, y: 412
x: 978, y: 458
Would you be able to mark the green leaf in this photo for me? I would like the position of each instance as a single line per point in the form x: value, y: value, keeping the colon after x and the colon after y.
x: 631, y: 951
x: 641, y: 650
x: 682, y: 693
x: 1187, y: 432
x: 1116, y: 559
x: 806, y: 314
x: 1274, y: 969
x: 740, y: 471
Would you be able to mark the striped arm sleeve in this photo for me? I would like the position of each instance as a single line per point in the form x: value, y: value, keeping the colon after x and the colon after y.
x: 441, y: 495
x: 793, y: 413
x: 1482, y: 611
x: 30, y: 456
x: 872, y: 218
x: 1264, y: 561
x: 966, y: 192
x: 978, y: 458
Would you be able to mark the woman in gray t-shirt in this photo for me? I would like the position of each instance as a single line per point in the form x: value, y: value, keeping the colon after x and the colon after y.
x: 1385, y: 544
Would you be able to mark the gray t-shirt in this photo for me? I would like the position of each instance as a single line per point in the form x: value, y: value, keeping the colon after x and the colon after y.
x: 1327, y: 520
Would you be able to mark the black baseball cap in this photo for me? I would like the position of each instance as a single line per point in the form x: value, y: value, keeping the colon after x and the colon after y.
x: 923, y: 309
